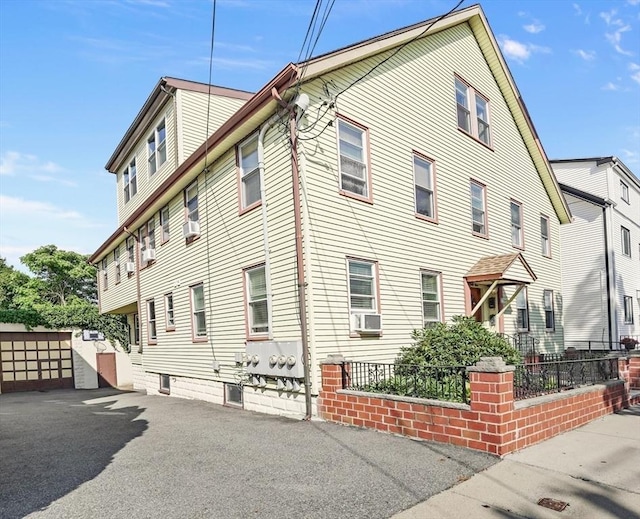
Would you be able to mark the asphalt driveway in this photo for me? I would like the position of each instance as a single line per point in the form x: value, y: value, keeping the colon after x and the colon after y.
x: 106, y: 453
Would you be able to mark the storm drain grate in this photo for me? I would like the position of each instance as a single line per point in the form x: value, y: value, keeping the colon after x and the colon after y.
x: 553, y: 504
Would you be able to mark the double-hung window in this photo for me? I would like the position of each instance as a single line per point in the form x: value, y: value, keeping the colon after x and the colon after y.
x: 549, y: 313
x: 522, y: 307
x: 626, y: 241
x: 353, y: 150
x: 478, y: 208
x: 164, y: 223
x: 198, y: 319
x: 142, y: 240
x: 628, y: 310
x: 135, y: 339
x: 424, y: 187
x: 151, y: 321
x: 151, y: 233
x: 191, y: 202
x: 169, y: 317
x: 116, y: 262
x: 249, y: 173
x: 157, y: 148
x: 257, y: 301
x: 517, y: 235
x: 544, y: 236
x: 472, y: 112
x: 624, y: 191
x: 430, y: 298
x: 105, y: 280
x: 362, y: 286
x: 131, y: 250
x: 130, y: 181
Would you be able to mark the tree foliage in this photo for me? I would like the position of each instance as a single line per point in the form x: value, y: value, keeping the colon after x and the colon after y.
x: 61, y: 294
x: 459, y: 343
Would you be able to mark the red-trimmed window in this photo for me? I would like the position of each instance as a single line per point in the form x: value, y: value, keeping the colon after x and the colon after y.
x: 431, y: 298
x: 198, y: 318
x: 258, y: 310
x: 249, y: 173
x: 472, y: 112
x: 424, y: 181
x: 517, y: 233
x: 152, y: 330
x: 544, y: 236
x: 354, y: 159
x: 478, y: 208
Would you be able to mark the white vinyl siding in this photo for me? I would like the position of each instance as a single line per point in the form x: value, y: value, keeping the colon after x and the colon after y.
x: 354, y: 177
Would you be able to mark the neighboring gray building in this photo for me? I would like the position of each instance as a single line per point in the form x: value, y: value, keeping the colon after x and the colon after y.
x: 600, y: 250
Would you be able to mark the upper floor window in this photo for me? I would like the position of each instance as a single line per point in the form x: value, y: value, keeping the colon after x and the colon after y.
x: 151, y: 233
x: 549, y: 313
x: 626, y: 241
x: 478, y: 208
x: 517, y: 235
x: 157, y: 148
x: 198, y: 320
x: 424, y: 187
x: 473, y: 112
x: 191, y: 202
x: 105, y: 280
x: 168, y: 312
x: 151, y: 321
x: 522, y: 307
x: 116, y: 262
x: 430, y: 298
x: 362, y: 286
x: 164, y: 223
x: 257, y: 300
x: 544, y: 236
x: 624, y: 191
x: 136, y: 329
x: 130, y: 249
x: 249, y: 173
x: 353, y: 150
x: 130, y: 181
x: 628, y: 310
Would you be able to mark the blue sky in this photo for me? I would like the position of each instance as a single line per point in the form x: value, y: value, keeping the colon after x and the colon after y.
x: 74, y: 73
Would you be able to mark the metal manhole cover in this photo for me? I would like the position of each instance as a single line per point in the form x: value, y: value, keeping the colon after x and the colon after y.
x: 553, y: 504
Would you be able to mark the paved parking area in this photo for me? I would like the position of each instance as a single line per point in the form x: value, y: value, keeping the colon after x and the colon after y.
x: 105, y: 453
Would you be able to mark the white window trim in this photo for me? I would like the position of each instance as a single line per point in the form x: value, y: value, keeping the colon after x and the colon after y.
x: 628, y: 310
x: 249, y: 300
x: 164, y: 224
x: 625, y: 236
x: 549, y: 308
x: 194, y: 331
x: 189, y: 214
x: 545, y: 239
x: 520, y: 227
x: 525, y: 308
x: 365, y: 159
x: 169, y: 312
x: 624, y: 191
x: 105, y: 275
x: 130, y: 181
x: 438, y: 277
x: 244, y: 175
x: 116, y: 262
x: 152, y: 321
x: 483, y: 189
x: 374, y: 287
x: 153, y: 157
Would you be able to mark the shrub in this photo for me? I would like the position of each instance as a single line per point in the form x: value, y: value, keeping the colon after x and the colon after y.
x: 459, y: 343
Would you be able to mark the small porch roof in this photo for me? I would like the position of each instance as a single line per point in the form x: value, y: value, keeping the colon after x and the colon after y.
x: 503, y: 269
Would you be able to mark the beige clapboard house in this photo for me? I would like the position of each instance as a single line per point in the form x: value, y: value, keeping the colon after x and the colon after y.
x: 422, y: 193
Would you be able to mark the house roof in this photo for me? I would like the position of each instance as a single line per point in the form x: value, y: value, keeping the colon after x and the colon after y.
x: 263, y: 104
x: 163, y: 90
x: 583, y: 195
x: 505, y: 268
x: 599, y: 161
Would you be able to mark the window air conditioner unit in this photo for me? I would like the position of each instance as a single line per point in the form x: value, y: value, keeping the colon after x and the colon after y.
x: 191, y: 229
x: 148, y: 255
x: 129, y: 267
x: 368, y: 323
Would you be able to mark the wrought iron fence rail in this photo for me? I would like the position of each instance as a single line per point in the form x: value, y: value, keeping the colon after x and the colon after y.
x: 437, y: 382
x: 541, y: 378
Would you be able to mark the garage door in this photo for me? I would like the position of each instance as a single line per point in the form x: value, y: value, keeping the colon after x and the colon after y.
x: 32, y: 361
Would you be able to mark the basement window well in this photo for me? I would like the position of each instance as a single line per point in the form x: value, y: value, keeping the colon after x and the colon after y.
x: 233, y: 395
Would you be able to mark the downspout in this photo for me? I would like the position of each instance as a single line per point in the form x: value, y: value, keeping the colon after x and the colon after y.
x: 608, y: 275
x: 265, y: 228
x: 138, y: 291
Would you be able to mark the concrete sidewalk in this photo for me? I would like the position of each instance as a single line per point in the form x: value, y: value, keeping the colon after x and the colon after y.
x: 595, y: 469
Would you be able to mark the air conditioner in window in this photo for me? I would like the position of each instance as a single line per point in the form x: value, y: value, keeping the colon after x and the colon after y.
x: 129, y: 267
x: 367, y: 323
x: 148, y: 255
x: 191, y: 229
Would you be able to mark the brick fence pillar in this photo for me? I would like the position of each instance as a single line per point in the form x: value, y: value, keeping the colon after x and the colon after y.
x: 634, y: 369
x: 491, y: 382
x: 331, y: 370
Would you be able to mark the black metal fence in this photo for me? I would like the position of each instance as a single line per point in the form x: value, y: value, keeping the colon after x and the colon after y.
x: 437, y: 382
x: 541, y: 378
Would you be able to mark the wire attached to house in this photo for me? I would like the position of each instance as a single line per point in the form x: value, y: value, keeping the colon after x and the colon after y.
x: 213, y: 35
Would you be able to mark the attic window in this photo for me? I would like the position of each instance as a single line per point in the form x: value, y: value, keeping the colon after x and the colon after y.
x: 473, y: 112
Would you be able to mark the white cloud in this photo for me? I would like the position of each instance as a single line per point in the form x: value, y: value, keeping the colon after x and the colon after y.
x: 48, y: 178
x: 633, y: 2
x: 519, y: 51
x: 611, y: 87
x: 635, y: 71
x: 587, y: 55
x: 14, y: 206
x: 615, y: 38
x: 534, y: 27
x: 577, y: 9
x: 630, y: 157
x: 13, y: 162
